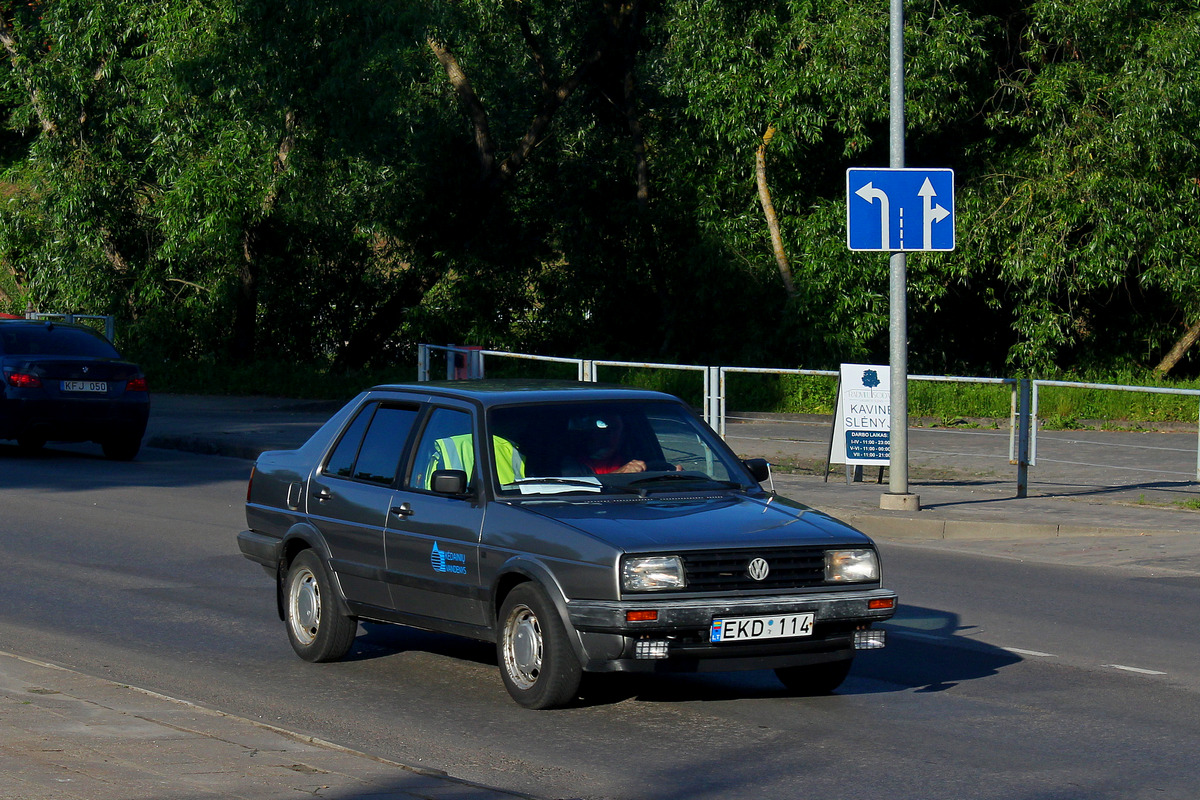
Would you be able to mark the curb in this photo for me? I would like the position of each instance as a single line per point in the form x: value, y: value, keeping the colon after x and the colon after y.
x: 885, y: 527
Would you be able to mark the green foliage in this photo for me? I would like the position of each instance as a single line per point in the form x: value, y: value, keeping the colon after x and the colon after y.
x: 1085, y: 209
x: 331, y: 182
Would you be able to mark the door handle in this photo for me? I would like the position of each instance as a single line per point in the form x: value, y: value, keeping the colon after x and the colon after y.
x: 403, y: 510
x: 324, y: 495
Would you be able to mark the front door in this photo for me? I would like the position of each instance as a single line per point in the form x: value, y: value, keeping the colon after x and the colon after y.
x: 433, y: 540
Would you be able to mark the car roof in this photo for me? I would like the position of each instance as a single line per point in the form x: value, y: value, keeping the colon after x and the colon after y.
x: 21, y: 322
x: 505, y: 391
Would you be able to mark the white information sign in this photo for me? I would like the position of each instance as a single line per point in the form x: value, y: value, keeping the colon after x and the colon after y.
x: 863, y: 422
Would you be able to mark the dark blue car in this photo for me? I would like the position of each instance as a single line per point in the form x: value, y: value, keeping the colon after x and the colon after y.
x: 578, y: 527
x: 67, y: 383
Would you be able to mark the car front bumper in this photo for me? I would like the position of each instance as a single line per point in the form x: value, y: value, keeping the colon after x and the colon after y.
x: 678, y: 639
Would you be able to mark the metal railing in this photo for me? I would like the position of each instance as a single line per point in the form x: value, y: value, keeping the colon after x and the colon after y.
x: 1037, y: 384
x: 110, y: 326
x: 1023, y: 413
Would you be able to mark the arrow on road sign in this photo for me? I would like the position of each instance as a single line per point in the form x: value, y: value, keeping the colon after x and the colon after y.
x: 871, y: 194
x: 933, y: 213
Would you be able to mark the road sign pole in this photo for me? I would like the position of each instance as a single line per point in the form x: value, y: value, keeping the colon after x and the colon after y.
x: 898, y: 496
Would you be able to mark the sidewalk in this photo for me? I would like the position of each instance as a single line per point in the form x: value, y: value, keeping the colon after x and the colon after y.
x: 67, y: 736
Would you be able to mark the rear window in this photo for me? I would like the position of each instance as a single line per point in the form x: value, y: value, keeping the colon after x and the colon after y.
x: 53, y: 340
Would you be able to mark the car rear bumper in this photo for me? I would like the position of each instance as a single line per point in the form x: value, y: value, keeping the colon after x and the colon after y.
x: 260, y: 548
x: 82, y: 420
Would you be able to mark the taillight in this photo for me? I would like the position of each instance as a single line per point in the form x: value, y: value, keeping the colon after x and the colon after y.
x: 250, y: 483
x: 23, y: 380
x: 136, y: 385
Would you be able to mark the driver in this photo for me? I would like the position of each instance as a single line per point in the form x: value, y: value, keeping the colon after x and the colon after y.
x: 603, y: 454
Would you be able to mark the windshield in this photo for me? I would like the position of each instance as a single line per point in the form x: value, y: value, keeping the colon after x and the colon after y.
x: 592, y: 448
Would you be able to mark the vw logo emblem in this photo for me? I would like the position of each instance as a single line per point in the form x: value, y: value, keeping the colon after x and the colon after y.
x: 85, y: 369
x: 758, y: 569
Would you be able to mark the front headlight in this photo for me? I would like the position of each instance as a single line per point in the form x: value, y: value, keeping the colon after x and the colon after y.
x: 652, y: 573
x: 851, y: 566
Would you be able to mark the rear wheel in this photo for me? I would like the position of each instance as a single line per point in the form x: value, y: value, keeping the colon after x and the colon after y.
x: 316, y: 627
x: 539, y: 667
x: 815, y: 679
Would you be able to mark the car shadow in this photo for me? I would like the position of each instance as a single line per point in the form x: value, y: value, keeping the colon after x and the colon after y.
x: 928, y: 650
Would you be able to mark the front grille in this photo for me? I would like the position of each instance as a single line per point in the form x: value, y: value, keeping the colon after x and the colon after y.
x: 728, y: 570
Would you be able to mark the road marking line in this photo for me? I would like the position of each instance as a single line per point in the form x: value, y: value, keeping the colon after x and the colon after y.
x: 1138, y: 670
x: 1033, y: 653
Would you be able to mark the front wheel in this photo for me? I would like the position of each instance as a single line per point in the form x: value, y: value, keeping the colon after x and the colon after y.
x: 815, y: 679
x: 539, y: 667
x: 315, y: 625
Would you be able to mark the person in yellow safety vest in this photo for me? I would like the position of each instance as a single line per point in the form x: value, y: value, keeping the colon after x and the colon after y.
x: 458, y: 452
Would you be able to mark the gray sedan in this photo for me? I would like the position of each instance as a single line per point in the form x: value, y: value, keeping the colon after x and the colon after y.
x: 578, y: 527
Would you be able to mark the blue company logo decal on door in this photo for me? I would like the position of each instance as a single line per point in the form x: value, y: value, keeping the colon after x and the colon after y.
x: 446, y: 561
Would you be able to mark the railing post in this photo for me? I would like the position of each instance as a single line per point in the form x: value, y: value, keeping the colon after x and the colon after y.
x: 1023, y: 423
x: 722, y: 386
x: 422, y: 362
x: 1013, y: 417
x: 712, y: 399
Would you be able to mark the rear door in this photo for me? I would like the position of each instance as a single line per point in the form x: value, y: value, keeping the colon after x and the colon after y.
x: 351, y: 497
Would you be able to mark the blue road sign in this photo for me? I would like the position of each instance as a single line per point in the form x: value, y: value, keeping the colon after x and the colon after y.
x: 899, y: 209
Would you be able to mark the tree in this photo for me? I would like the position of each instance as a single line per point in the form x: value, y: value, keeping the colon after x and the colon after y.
x: 1087, y: 204
x: 811, y: 79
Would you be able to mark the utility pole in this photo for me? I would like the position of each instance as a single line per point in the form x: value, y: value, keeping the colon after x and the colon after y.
x: 898, y: 496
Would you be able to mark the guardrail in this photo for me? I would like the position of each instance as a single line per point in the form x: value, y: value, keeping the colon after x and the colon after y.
x: 468, y: 362
x: 1037, y: 384
x: 110, y: 327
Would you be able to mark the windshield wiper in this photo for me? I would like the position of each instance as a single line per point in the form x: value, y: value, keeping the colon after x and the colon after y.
x: 675, y: 477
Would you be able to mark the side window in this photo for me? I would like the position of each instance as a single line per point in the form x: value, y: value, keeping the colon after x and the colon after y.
x: 371, y: 448
x: 341, y: 463
x: 383, y: 445
x: 446, y: 443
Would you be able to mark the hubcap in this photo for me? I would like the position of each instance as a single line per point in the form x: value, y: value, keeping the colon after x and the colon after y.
x: 523, y: 647
x: 304, y: 606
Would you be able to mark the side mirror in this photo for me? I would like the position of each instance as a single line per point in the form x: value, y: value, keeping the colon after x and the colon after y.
x: 449, y: 481
x: 759, y: 468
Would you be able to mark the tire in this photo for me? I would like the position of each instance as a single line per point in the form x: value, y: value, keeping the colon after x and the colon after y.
x: 539, y: 667
x: 123, y: 448
x: 815, y: 679
x: 316, y: 627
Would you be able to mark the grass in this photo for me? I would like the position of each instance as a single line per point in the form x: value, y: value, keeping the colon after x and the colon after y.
x: 946, y: 404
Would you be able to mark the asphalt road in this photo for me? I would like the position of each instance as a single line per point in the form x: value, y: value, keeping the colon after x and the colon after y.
x: 1003, y: 679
